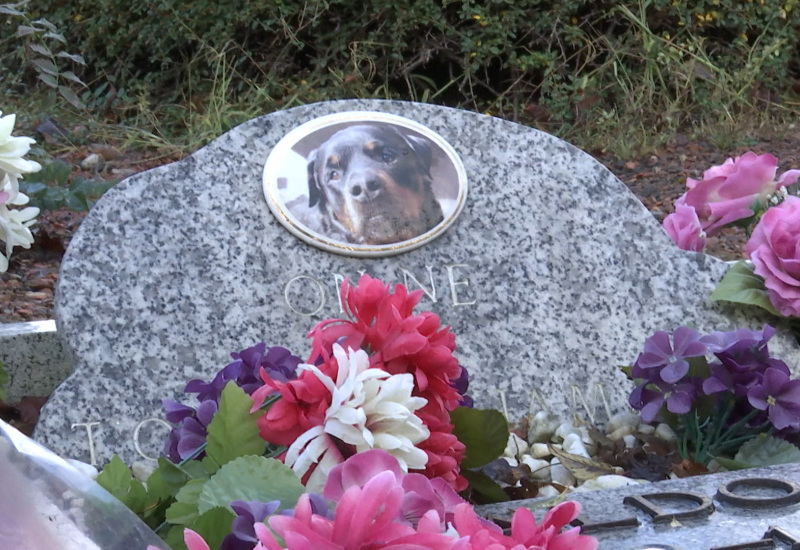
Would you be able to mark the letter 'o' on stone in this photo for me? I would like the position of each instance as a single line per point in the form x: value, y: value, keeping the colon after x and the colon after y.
x: 726, y: 493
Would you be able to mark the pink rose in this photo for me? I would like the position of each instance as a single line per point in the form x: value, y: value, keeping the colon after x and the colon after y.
x: 684, y: 227
x: 736, y: 190
x: 774, y: 249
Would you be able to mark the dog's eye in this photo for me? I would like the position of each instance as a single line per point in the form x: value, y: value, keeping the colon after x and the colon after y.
x: 388, y: 155
x: 334, y: 175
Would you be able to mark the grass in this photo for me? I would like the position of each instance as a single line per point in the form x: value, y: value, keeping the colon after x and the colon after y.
x: 624, y: 98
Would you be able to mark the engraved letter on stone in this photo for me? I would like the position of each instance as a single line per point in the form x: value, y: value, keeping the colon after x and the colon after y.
x: 643, y: 502
x: 453, y: 284
x: 138, y: 429
x: 429, y: 293
x: 314, y: 288
x: 88, y: 425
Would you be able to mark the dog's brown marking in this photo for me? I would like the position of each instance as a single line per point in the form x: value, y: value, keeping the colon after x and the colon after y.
x: 374, y: 184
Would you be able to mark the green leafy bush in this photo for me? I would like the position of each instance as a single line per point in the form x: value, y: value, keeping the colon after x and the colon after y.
x: 554, y: 63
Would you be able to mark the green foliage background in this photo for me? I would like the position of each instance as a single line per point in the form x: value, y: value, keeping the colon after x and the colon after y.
x: 553, y: 63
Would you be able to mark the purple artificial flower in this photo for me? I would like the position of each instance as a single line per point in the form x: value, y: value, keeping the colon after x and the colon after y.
x: 248, y: 513
x: 650, y: 397
x: 780, y: 396
x: 191, y: 432
x: 666, y: 359
x: 461, y: 385
x: 743, y: 358
x: 245, y: 371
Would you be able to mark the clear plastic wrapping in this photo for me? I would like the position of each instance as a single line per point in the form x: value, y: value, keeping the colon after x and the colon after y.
x: 45, y: 502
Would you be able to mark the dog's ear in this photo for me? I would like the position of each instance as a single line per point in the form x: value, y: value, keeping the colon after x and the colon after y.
x: 422, y: 148
x: 315, y: 194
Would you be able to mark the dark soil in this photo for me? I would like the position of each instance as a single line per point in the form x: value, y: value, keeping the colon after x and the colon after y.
x: 657, y: 179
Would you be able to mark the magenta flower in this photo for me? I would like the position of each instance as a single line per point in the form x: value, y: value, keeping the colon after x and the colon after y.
x: 684, y: 227
x: 780, y: 396
x: 774, y: 249
x: 735, y: 190
x: 668, y: 359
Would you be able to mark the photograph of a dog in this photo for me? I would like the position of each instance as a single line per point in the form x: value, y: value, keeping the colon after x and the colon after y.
x: 368, y: 183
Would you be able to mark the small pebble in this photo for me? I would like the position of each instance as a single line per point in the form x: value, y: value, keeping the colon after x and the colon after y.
x: 540, y: 469
x: 574, y: 445
x: 621, y: 432
x: 542, y: 427
x: 666, y: 433
x: 93, y: 163
x: 622, y: 419
x: 630, y: 441
x: 559, y: 474
x: 540, y: 450
x: 142, y: 470
x: 610, y: 481
x: 646, y: 429
x: 516, y: 446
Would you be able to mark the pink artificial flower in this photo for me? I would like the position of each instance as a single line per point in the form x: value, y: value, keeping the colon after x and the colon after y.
x: 364, y: 519
x: 684, y: 227
x: 421, y: 494
x: 774, y: 249
x: 399, y: 341
x: 735, y: 190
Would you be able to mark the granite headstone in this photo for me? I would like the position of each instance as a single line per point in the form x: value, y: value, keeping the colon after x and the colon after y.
x: 551, y: 276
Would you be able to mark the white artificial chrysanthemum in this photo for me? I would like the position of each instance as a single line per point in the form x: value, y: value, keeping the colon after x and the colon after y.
x: 12, y: 149
x: 14, y: 223
x: 370, y: 409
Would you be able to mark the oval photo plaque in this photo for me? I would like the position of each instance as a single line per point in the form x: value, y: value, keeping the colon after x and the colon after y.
x: 365, y: 184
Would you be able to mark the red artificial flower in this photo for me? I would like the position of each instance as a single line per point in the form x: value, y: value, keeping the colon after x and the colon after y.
x: 384, y: 324
x: 302, y: 406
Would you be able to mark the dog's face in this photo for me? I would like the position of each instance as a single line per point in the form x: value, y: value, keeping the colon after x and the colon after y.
x: 374, y: 183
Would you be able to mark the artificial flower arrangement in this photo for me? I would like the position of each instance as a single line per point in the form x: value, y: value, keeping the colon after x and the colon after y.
x: 740, y: 408
x: 744, y: 191
x: 14, y: 223
x: 365, y: 445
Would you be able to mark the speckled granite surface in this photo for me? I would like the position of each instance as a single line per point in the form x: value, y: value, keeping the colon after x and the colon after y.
x: 553, y: 274
x: 34, y: 357
x: 727, y: 525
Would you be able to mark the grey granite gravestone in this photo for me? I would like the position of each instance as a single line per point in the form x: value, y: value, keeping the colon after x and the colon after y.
x: 551, y: 276
x: 743, y: 510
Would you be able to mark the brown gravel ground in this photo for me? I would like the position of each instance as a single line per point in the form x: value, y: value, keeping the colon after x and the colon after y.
x: 657, y: 179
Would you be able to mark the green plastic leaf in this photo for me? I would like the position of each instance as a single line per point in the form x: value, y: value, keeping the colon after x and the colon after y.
x: 117, y: 479
x: 484, y: 432
x: 233, y: 432
x: 766, y: 450
x: 251, y: 478
x: 167, y: 479
x: 184, y: 510
x: 732, y: 464
x: 740, y: 285
x: 485, y: 486
x: 214, y: 525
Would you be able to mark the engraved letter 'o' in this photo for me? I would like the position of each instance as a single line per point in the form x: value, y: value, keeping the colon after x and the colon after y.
x: 138, y: 429
x: 725, y: 492
x: 320, y: 290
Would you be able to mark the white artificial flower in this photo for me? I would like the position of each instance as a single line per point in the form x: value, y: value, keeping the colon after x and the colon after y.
x: 12, y: 149
x: 370, y: 409
x: 14, y: 223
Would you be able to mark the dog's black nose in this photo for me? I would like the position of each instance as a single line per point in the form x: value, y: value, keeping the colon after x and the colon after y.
x: 368, y: 188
